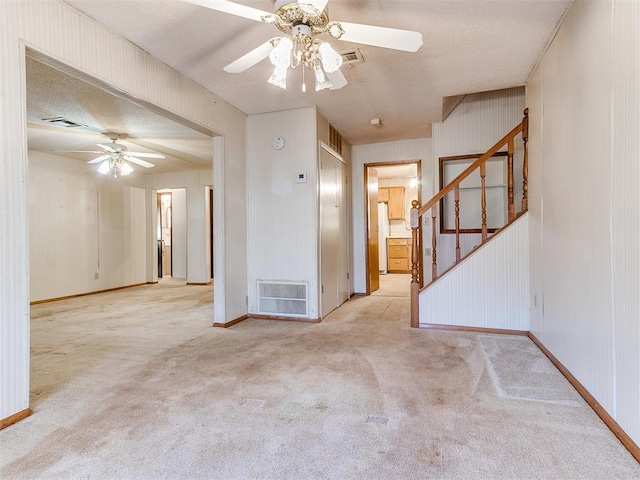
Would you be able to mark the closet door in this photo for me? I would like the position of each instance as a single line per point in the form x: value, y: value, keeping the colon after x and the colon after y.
x: 334, y: 238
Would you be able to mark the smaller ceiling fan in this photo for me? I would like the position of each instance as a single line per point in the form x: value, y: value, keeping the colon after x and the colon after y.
x: 114, y: 157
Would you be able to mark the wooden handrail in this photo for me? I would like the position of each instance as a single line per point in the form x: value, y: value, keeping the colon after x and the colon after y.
x: 431, y: 206
x: 469, y: 170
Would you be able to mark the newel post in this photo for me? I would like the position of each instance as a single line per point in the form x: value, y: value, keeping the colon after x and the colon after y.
x: 415, y: 264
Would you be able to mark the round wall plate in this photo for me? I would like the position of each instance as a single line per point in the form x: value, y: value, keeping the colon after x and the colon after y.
x: 278, y: 143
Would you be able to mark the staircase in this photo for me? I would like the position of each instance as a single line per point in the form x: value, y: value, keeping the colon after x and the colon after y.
x: 503, y: 244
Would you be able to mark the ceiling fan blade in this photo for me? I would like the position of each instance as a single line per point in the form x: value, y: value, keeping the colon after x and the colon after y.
x: 405, y: 40
x: 78, y: 151
x: 107, y: 147
x: 318, y: 4
x: 233, y: 8
x: 250, y: 59
x: 146, y: 155
x: 99, y: 159
x: 137, y: 161
x: 337, y: 79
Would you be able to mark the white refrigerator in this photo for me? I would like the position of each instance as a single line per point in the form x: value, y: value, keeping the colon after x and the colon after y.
x: 383, y: 233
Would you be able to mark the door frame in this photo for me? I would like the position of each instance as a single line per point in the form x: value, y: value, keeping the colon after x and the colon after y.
x: 366, y: 166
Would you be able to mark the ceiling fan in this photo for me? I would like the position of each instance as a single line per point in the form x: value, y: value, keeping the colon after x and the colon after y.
x: 302, y: 22
x: 114, y: 157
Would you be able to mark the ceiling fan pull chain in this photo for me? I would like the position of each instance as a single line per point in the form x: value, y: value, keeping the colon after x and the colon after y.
x: 304, y: 85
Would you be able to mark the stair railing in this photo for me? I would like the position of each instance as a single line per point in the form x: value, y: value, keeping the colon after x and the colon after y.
x: 431, y: 207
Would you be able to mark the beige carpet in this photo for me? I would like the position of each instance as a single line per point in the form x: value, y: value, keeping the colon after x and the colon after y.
x: 137, y: 385
x: 394, y: 285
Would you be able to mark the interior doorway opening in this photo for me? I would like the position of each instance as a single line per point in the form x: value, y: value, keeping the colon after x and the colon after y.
x: 164, y: 235
x: 389, y: 190
x: 171, y: 233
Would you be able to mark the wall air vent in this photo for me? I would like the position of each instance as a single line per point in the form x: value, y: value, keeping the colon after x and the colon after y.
x: 335, y: 139
x: 63, y: 122
x: 352, y: 56
x: 288, y: 299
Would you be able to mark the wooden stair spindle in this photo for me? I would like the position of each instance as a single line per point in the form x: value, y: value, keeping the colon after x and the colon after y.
x: 525, y: 163
x: 457, y: 217
x: 512, y: 206
x: 434, y: 256
x: 415, y: 264
x: 483, y: 202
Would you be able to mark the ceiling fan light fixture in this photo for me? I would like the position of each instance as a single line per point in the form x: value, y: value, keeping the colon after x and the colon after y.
x: 322, y: 81
x: 331, y: 60
x: 125, y: 168
x: 279, y: 77
x: 280, y: 56
x: 104, y: 167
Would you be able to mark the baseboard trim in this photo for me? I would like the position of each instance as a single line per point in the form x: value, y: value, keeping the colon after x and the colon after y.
x: 265, y: 317
x: 66, y: 297
x: 16, y: 417
x: 285, y: 319
x: 202, y: 284
x: 460, y: 328
x: 608, y: 420
x: 230, y: 323
x: 358, y: 295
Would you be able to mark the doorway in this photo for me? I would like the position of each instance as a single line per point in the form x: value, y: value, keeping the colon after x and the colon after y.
x: 97, y: 230
x: 389, y: 190
x: 164, y: 234
x: 172, y: 233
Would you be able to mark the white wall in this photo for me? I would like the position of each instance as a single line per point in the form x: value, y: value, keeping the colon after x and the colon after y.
x: 14, y: 247
x: 82, y: 224
x: 401, y: 151
x: 283, y: 219
x: 489, y: 289
x: 585, y: 202
x: 474, y: 126
x: 96, y: 51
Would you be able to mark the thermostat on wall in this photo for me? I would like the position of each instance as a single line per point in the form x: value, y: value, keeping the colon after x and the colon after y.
x: 301, y: 178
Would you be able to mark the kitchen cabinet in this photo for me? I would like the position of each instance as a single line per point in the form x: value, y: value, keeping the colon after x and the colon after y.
x: 394, y: 197
x: 399, y: 255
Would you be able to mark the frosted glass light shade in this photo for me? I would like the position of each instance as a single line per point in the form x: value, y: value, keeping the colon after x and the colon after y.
x: 279, y: 77
x: 280, y: 56
x: 331, y: 60
x: 322, y: 81
x: 104, y: 167
x: 125, y: 168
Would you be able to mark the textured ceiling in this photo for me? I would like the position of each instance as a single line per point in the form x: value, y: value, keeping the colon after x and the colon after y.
x: 52, y: 93
x: 469, y: 46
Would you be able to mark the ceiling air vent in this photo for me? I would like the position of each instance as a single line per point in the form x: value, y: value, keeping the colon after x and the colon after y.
x: 63, y: 122
x: 352, y: 56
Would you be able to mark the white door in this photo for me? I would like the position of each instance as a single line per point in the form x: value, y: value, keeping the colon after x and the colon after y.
x: 334, y: 243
